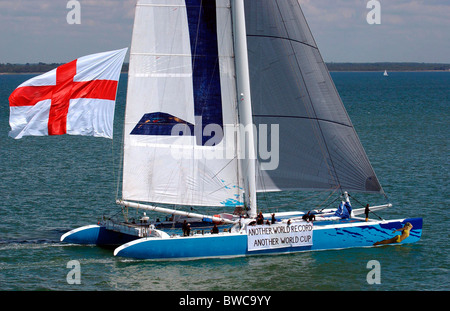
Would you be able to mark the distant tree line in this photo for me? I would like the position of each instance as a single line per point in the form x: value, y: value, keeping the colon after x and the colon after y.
x: 43, y: 67
x: 386, y: 66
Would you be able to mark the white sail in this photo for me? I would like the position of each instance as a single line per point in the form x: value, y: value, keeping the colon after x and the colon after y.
x: 291, y: 87
x: 182, y: 75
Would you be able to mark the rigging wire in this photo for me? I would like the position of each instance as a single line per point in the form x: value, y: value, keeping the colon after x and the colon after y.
x: 263, y: 185
x: 334, y: 191
x: 354, y: 199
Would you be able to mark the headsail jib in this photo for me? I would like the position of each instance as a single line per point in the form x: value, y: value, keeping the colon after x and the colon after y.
x: 291, y: 86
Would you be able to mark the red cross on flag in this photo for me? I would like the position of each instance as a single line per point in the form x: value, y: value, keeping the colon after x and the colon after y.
x: 77, y: 98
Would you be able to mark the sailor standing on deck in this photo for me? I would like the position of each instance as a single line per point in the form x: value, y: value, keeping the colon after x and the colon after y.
x: 366, y: 211
x: 184, y: 228
x: 215, y: 230
x: 188, y: 229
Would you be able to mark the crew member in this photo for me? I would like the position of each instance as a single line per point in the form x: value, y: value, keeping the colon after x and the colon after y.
x: 215, y: 230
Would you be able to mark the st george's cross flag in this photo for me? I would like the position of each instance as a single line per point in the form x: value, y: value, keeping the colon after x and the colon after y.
x: 77, y: 98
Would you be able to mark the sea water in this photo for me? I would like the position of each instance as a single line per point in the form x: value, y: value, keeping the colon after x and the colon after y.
x: 50, y: 185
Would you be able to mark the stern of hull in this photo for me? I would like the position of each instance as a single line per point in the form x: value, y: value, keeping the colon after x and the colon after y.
x: 96, y: 235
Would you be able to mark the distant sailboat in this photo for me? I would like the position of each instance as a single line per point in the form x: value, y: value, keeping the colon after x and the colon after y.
x: 385, y: 73
x: 193, y: 64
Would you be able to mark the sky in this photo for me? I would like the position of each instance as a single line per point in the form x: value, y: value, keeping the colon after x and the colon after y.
x: 410, y: 31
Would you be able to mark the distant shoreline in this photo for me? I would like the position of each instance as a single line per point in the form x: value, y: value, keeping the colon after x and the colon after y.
x: 389, y: 71
x: 38, y: 68
x: 390, y: 67
x: 349, y: 71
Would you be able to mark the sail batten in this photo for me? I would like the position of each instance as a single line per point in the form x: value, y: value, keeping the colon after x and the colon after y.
x: 302, y: 117
x: 283, y: 38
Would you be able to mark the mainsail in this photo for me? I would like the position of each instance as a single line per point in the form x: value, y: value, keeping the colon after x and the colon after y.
x: 318, y: 146
x: 182, y: 81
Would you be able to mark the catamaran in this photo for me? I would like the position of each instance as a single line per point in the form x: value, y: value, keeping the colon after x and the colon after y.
x: 209, y: 83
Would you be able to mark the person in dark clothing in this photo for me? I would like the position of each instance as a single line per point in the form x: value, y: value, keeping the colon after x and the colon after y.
x: 188, y: 229
x: 215, y: 230
x: 184, y: 228
x: 309, y: 216
x: 260, y: 219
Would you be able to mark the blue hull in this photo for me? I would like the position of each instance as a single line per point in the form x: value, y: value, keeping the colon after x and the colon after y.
x: 96, y: 235
x: 345, y: 234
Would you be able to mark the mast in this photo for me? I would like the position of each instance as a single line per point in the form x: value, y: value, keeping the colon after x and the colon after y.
x: 245, y: 106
